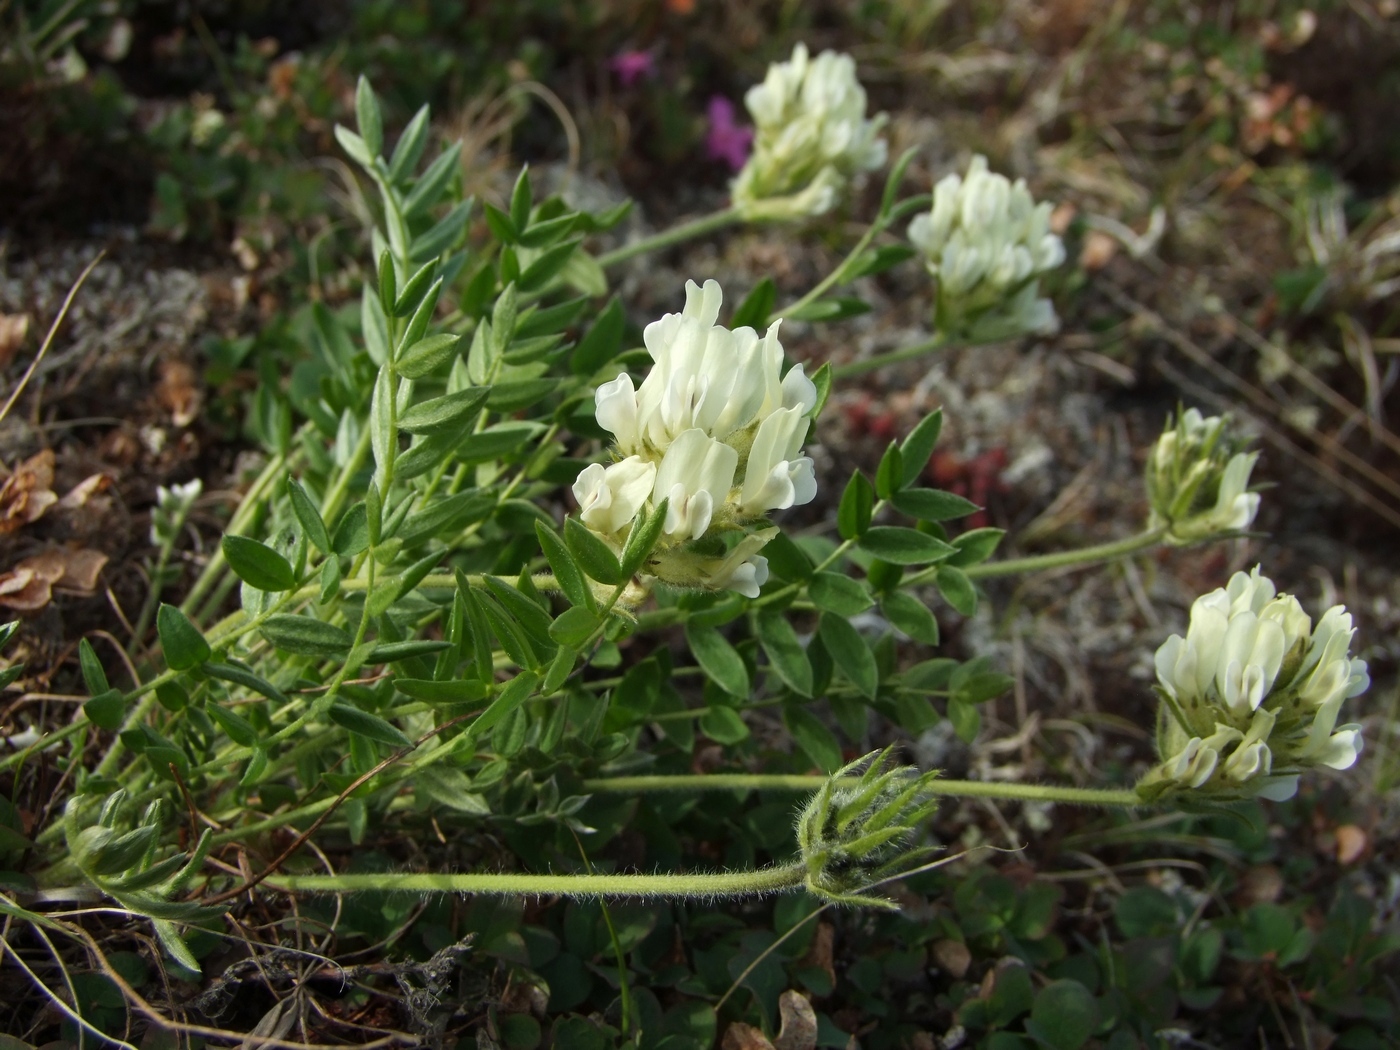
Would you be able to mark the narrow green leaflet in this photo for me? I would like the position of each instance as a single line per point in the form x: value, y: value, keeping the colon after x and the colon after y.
x: 815, y: 739
x: 602, y: 342
x: 180, y: 640
x: 428, y: 355
x: 453, y: 691
x: 257, y: 564
x: 757, y: 305
x: 306, y: 635
x: 918, y: 446
x: 850, y: 653
x: 911, y: 616
x: 975, y: 546
x: 94, y: 677
x: 838, y: 593
x: 593, y: 555
x: 106, y: 710
x: 889, y: 478
x: 857, y: 504
x: 723, y: 725
x: 567, y: 573
x: 718, y: 659
x: 238, y: 728
x: 393, y: 652
x: 646, y: 530
x: 784, y: 651
x: 574, y: 626
x: 242, y: 676
x: 367, y: 116
x: 903, y: 546
x: 932, y: 504
x: 515, y: 693
x: 372, y: 727
x: 955, y: 586
x: 308, y: 516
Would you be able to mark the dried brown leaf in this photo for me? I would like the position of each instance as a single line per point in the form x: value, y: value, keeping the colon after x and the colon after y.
x: 740, y: 1036
x: 799, y: 1023
x: 1351, y: 843
x: 80, y: 493
x: 29, y: 586
x: 952, y: 957
x: 13, y: 329
x: 27, y: 493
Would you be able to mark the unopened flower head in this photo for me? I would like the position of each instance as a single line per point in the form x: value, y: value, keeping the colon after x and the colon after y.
x: 716, y: 430
x: 1198, y: 479
x: 812, y: 138
x: 1252, y: 695
x: 986, y: 242
x: 856, y: 829
x: 172, y: 507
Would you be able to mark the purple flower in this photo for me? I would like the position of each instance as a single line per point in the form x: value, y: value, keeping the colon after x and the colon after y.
x: 726, y: 140
x: 632, y: 66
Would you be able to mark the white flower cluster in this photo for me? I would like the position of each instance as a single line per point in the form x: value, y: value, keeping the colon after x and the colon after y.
x: 986, y: 241
x: 1252, y: 694
x: 812, y: 137
x: 172, y: 507
x: 1198, y: 481
x: 717, y: 430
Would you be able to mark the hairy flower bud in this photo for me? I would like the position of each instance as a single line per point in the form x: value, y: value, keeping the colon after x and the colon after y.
x: 1250, y: 697
x: 986, y: 242
x: 716, y: 430
x: 812, y: 138
x: 853, y: 835
x: 1198, y: 479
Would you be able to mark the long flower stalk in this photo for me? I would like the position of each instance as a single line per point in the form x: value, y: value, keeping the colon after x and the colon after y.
x: 674, y: 235
x: 781, y: 782
x: 727, y: 884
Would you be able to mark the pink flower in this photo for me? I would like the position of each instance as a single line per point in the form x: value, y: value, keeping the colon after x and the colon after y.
x: 726, y: 140
x: 632, y: 66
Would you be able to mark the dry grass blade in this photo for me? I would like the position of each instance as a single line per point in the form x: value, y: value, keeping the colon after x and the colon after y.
x: 53, y: 331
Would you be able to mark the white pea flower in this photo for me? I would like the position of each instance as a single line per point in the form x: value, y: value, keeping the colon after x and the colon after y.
x: 777, y: 477
x: 1255, y: 684
x: 986, y: 242
x: 811, y: 138
x: 609, y: 497
x: 719, y: 426
x: 1198, y: 479
x: 173, y: 506
x: 695, y: 475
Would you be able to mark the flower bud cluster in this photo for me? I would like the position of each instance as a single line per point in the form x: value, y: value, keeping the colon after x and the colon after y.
x: 716, y: 430
x: 986, y: 242
x: 857, y: 828
x: 812, y: 138
x: 1198, y: 479
x: 173, y: 506
x: 1251, y: 696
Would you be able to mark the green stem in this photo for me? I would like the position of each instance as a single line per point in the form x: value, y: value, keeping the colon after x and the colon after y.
x: 835, y: 277
x: 890, y: 357
x: 1060, y: 559
x: 675, y: 235
x: 723, y: 884
x: 779, y: 782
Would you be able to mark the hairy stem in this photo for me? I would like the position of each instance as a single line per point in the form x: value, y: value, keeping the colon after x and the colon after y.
x: 666, y: 238
x: 889, y: 357
x: 722, y: 884
x: 779, y: 782
x: 1061, y: 559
